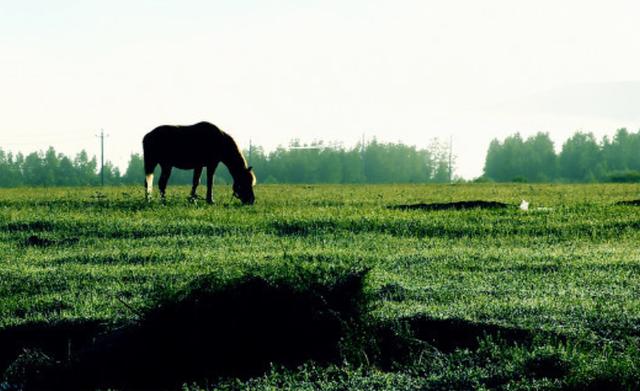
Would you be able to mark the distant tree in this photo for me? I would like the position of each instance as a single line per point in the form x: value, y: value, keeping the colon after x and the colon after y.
x: 10, y: 174
x: 494, y: 161
x: 33, y: 170
x: 317, y: 162
x: 134, y: 174
x: 353, y: 165
x: 86, y: 169
x: 67, y: 174
x: 580, y: 158
x: 506, y: 161
x: 622, y: 153
x: 533, y: 160
x: 330, y: 168
x: 515, y: 152
x: 438, y: 162
x: 376, y: 163
x: 539, y: 159
x: 111, y: 174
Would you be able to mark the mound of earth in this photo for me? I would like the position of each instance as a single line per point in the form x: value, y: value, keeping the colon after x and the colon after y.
x: 477, y: 204
x: 237, y: 330
x: 205, y: 332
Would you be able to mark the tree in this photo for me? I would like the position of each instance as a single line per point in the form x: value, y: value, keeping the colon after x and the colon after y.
x: 86, y: 169
x: 134, y: 173
x: 66, y: 175
x: 539, y: 159
x: 33, y: 170
x: 494, y: 161
x: 10, y: 175
x: 580, y: 158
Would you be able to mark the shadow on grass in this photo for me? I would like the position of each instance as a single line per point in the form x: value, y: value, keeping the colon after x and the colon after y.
x: 206, y: 332
x: 60, y: 340
x: 40, y: 241
x: 629, y: 203
x: 401, y: 340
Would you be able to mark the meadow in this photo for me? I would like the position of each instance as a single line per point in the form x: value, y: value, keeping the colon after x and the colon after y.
x: 480, y: 298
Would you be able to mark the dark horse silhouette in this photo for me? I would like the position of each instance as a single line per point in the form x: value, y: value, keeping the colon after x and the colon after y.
x: 195, y: 147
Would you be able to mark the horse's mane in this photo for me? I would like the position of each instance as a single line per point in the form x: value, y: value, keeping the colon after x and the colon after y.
x: 235, y: 158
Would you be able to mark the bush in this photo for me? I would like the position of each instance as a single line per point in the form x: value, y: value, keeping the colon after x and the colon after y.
x: 628, y: 176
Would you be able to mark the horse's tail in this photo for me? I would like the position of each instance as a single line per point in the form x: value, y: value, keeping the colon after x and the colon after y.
x: 150, y: 160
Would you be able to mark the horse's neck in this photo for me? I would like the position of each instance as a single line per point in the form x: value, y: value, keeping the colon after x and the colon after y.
x: 233, y: 159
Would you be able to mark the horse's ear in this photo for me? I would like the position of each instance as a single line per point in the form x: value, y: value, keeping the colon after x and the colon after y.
x: 250, y: 168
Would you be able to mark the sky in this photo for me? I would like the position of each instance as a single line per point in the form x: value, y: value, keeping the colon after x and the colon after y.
x: 270, y: 71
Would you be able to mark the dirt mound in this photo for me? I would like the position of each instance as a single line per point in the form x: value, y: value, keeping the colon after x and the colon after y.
x: 478, y: 204
x: 402, y: 340
x: 238, y: 329
x: 61, y: 340
x: 207, y: 332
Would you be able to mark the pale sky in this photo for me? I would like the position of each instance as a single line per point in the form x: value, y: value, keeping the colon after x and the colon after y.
x: 271, y: 71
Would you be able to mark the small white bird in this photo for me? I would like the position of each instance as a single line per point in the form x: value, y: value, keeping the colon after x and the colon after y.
x: 524, y: 205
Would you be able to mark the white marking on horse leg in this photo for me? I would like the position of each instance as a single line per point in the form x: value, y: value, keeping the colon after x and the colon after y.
x: 149, y: 185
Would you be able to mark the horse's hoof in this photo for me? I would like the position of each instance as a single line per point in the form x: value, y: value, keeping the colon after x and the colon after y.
x: 210, y: 202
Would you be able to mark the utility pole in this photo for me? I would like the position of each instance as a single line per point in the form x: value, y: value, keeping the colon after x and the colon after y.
x: 102, y: 136
x: 450, y: 157
x: 362, y: 156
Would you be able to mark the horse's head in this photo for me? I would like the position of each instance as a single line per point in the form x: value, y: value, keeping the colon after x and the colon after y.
x: 243, y: 186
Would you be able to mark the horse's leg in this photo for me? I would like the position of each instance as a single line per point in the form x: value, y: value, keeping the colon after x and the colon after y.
x: 148, y: 179
x: 164, y: 178
x: 196, y: 181
x: 148, y: 186
x: 211, y: 169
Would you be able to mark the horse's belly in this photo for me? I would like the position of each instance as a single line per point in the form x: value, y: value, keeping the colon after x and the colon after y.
x: 186, y: 163
x: 185, y: 160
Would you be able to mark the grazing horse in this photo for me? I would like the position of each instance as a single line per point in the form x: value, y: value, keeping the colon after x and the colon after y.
x: 195, y: 147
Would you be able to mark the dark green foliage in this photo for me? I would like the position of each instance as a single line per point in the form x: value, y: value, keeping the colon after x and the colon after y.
x: 315, y: 163
x: 517, y: 160
x: 51, y: 169
x: 624, y: 177
x: 582, y: 159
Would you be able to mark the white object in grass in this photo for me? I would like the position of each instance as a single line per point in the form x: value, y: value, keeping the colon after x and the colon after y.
x: 524, y: 205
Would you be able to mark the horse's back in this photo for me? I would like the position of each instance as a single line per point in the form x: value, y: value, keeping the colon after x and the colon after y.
x: 172, y: 133
x: 185, y: 147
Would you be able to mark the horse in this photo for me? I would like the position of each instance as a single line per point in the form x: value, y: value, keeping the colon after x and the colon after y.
x: 195, y: 147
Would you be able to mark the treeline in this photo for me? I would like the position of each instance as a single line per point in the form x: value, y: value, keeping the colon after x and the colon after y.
x: 374, y: 162
x: 52, y: 169
x: 581, y: 159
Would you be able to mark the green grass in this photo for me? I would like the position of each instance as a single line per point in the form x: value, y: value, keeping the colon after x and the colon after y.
x: 571, y: 271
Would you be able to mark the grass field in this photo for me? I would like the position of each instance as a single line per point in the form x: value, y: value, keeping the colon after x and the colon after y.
x: 482, y: 298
